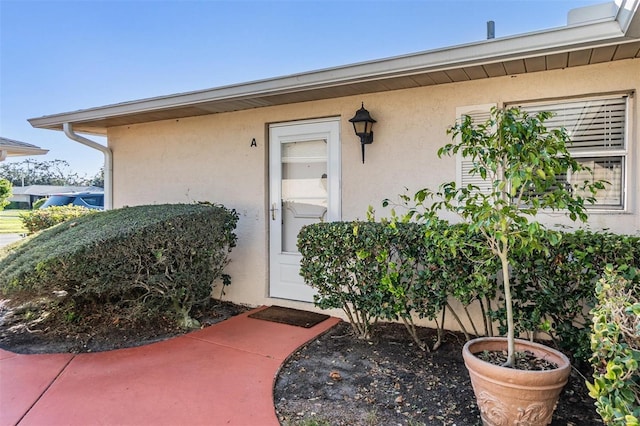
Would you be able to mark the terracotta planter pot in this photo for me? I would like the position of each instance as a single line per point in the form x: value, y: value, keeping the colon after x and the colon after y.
x: 507, y: 396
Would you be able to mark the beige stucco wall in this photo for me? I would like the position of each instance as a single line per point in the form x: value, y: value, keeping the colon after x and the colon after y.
x: 210, y: 157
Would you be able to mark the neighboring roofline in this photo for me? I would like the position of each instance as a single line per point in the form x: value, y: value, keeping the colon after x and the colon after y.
x: 46, y: 190
x: 624, y: 28
x: 14, y: 148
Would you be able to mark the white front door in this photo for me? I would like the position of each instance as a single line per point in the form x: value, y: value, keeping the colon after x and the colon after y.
x: 304, y: 164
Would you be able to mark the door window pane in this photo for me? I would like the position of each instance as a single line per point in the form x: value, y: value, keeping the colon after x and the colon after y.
x: 304, y: 188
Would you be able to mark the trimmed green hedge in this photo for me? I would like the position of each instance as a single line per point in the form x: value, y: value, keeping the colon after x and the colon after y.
x: 554, y: 292
x: 398, y: 270
x: 41, y: 219
x: 339, y: 261
x: 146, y: 259
x: 375, y: 271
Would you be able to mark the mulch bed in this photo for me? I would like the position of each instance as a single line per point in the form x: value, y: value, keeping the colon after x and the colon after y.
x: 338, y: 379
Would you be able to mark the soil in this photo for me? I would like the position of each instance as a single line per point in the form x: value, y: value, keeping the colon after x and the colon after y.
x: 23, y: 332
x: 336, y: 379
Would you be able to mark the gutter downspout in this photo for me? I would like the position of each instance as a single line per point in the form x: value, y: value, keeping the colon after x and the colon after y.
x: 108, y: 162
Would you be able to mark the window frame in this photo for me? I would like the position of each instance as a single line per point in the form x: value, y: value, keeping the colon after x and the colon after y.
x: 596, y: 153
x: 624, y: 152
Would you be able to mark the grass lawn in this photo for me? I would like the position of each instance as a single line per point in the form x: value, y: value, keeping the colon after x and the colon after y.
x: 10, y: 222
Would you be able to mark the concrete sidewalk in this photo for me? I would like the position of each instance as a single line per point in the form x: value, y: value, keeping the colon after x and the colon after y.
x: 221, y: 375
x: 6, y: 239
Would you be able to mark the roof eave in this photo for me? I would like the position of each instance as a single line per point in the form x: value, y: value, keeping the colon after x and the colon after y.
x: 23, y: 152
x: 556, y: 40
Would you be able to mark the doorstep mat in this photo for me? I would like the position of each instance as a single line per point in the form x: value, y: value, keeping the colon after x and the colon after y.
x: 289, y: 316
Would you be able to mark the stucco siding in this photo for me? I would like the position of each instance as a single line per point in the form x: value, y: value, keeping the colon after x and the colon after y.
x: 210, y: 158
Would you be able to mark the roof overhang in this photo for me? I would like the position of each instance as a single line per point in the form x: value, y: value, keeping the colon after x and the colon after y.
x: 596, y: 41
x: 13, y: 148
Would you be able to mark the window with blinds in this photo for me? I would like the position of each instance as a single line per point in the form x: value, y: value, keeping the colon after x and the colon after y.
x: 479, y: 114
x: 597, y: 128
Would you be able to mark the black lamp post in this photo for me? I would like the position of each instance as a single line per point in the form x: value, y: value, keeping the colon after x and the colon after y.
x: 363, y: 126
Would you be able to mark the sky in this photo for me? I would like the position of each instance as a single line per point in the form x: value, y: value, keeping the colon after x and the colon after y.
x: 62, y: 56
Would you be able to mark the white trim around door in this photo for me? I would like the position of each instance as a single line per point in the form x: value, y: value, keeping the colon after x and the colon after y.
x: 304, y: 188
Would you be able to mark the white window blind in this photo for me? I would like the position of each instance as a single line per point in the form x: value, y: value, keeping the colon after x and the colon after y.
x: 597, y: 128
x: 479, y: 114
x: 591, y: 124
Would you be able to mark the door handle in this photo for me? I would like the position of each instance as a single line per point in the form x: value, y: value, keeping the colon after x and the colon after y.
x: 273, y: 211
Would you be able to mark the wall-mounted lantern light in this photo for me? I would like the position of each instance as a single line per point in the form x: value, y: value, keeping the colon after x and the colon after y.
x: 363, y: 126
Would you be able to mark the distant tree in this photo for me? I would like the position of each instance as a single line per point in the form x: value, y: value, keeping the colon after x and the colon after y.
x: 33, y: 172
x: 5, y: 193
x: 98, y: 179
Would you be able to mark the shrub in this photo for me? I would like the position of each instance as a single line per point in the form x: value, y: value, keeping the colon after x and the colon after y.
x: 615, y: 341
x: 17, y: 205
x: 38, y: 220
x: 426, y: 267
x: 5, y: 192
x: 398, y: 269
x: 38, y: 203
x: 554, y: 292
x: 146, y: 259
x: 410, y: 284
x: 339, y: 261
x: 379, y: 271
x: 552, y: 289
x: 520, y: 161
x: 406, y: 270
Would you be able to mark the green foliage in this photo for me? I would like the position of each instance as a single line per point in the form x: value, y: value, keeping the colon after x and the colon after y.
x: 339, y: 260
x: 35, y: 172
x: 40, y: 219
x: 522, y: 161
x: 410, y: 277
x: 428, y: 267
x: 458, y: 260
x: 385, y: 271
x: 553, y: 291
x: 419, y: 266
x: 97, y: 179
x: 145, y: 260
x: 615, y: 341
x: 38, y: 203
x: 5, y: 192
x: 414, y: 277
x: 547, y: 276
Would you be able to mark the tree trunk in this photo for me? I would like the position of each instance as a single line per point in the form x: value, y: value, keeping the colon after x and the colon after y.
x: 511, y: 352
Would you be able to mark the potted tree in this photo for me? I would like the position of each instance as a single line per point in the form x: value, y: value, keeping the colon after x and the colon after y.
x: 525, y: 167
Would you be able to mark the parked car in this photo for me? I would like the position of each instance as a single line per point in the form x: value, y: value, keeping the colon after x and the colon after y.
x: 90, y: 200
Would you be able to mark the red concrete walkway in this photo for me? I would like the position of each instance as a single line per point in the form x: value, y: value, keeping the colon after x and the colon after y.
x: 221, y: 375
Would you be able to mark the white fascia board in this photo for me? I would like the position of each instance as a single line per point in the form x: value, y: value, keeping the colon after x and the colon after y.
x: 16, y: 151
x: 556, y: 40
